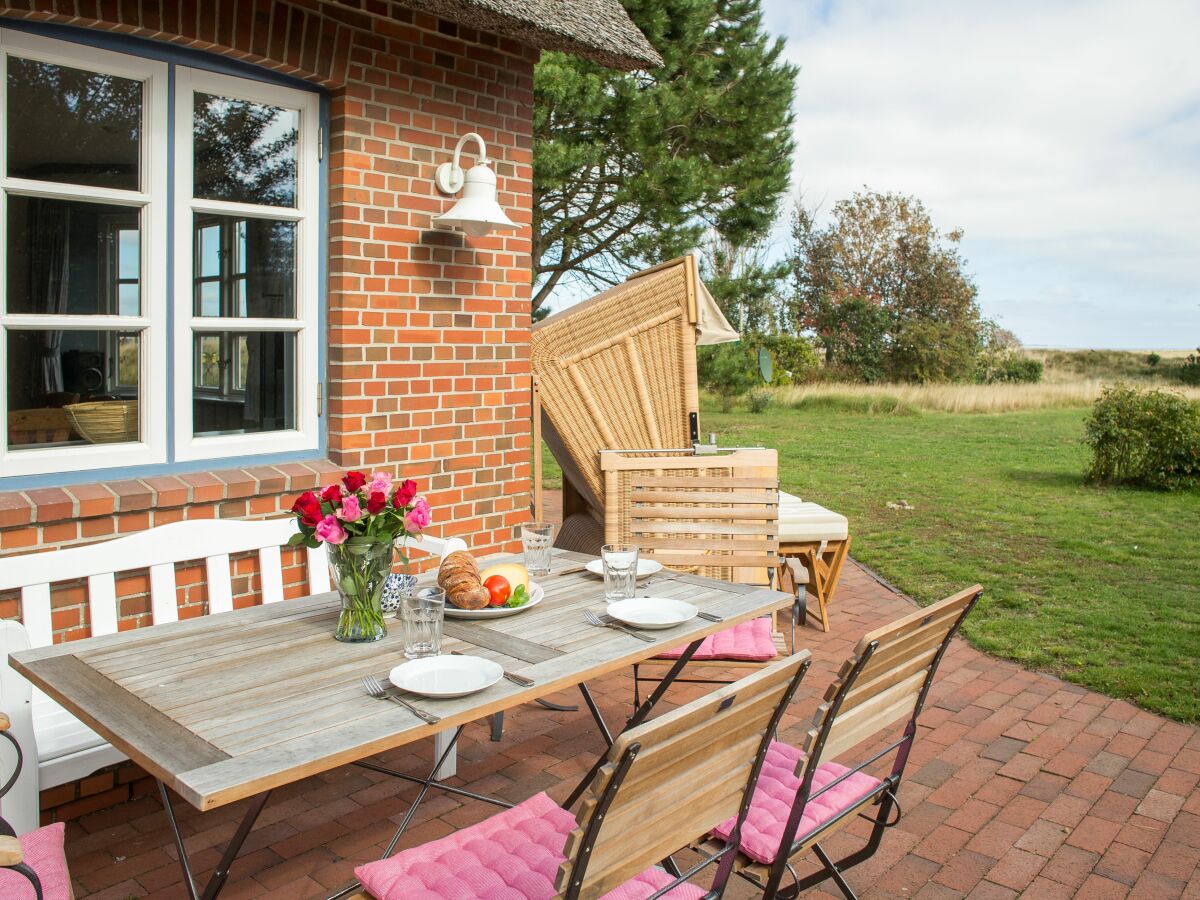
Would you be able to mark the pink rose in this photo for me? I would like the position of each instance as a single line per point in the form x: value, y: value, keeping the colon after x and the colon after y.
x: 351, y: 510
x: 419, y: 516
x: 330, y: 530
x: 381, y: 482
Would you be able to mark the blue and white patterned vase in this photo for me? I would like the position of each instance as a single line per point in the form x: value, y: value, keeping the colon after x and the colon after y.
x: 394, y: 588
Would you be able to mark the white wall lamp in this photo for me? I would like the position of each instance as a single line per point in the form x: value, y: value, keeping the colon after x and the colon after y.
x: 477, y: 213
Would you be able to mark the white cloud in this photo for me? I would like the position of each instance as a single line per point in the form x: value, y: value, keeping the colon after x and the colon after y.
x: 1063, y: 136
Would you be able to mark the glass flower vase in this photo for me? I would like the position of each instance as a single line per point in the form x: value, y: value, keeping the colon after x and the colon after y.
x: 359, y: 568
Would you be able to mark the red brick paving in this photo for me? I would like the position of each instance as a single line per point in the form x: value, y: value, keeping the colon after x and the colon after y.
x: 1019, y: 784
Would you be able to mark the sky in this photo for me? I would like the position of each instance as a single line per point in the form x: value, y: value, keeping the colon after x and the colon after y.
x: 1063, y: 136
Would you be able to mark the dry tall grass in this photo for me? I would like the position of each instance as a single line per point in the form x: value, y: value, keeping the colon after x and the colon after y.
x: 958, y: 398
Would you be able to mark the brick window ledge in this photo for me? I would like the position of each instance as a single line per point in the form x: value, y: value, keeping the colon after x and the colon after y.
x: 46, y: 518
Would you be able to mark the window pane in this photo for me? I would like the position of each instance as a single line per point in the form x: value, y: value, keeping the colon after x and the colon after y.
x: 244, y: 151
x: 245, y: 382
x: 71, y: 388
x: 70, y: 257
x: 68, y: 125
x: 244, y: 267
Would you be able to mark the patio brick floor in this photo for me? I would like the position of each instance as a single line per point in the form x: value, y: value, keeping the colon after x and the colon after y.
x: 1019, y: 784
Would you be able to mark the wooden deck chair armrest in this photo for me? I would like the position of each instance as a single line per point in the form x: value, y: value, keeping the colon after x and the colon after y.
x: 11, y: 852
x: 5, y: 724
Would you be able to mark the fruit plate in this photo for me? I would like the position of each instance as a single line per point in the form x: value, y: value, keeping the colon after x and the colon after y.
x: 446, y: 676
x: 646, y: 567
x: 651, y: 612
x: 497, y: 612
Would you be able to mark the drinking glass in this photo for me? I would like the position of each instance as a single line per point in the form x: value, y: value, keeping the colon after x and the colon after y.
x: 421, y: 615
x: 537, y: 539
x: 620, y: 571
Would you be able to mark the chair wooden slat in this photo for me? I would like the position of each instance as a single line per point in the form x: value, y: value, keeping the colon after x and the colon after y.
x: 220, y: 584
x: 102, y: 603
x: 318, y: 569
x: 688, y: 775
x: 35, y: 614
x: 164, y: 604
x: 271, y: 570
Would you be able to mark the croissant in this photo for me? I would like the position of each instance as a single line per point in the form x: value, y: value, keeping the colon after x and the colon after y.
x: 459, y: 578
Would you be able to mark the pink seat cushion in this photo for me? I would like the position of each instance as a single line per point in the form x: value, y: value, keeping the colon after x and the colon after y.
x: 44, y: 854
x: 514, y: 855
x: 776, y: 792
x: 747, y: 642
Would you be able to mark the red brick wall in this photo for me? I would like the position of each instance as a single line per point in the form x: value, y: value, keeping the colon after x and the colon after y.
x: 428, y: 332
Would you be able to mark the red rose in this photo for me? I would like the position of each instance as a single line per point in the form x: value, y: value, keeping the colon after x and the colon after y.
x: 308, y: 508
x: 332, y: 495
x: 405, y: 493
x: 376, y: 502
x: 354, y: 480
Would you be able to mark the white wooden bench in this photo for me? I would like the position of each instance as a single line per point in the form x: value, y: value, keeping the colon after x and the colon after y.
x: 65, y: 749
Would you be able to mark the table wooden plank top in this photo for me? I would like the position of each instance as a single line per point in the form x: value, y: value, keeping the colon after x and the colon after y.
x: 226, y: 706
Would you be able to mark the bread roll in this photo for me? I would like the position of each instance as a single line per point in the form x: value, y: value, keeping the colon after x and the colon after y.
x: 459, y: 578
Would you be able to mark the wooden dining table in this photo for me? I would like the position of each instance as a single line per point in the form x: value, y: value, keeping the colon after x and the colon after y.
x: 228, y: 706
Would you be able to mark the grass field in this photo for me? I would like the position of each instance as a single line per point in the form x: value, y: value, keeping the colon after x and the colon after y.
x: 1100, y: 586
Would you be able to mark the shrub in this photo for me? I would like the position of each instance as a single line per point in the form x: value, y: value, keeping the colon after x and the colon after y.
x: 1153, y: 359
x: 1147, y: 438
x: 728, y: 370
x: 793, y: 357
x: 1189, y: 372
x: 759, y: 398
x: 1012, y: 369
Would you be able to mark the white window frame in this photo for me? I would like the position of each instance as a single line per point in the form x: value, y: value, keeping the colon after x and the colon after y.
x: 151, y: 325
x: 306, y: 215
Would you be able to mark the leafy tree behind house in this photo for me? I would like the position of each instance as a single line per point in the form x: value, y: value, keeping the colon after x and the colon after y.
x: 633, y: 168
x: 884, y: 291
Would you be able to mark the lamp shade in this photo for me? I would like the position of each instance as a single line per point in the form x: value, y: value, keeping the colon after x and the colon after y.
x: 477, y: 213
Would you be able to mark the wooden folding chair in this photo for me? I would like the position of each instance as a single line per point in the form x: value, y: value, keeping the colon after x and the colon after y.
x: 714, y: 515
x: 664, y: 785
x: 886, y: 680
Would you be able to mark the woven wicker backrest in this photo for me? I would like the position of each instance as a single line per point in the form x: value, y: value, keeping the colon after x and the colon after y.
x: 691, y: 769
x: 900, y: 659
x: 619, y: 370
x: 716, y: 515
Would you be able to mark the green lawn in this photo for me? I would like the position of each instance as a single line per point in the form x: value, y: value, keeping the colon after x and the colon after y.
x: 1100, y: 586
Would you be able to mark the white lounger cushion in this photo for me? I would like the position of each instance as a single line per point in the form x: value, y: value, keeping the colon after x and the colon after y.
x: 800, y: 521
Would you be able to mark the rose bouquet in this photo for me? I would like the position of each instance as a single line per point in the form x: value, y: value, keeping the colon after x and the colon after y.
x: 360, y: 520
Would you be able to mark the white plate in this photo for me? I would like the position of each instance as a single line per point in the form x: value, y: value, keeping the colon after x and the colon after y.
x: 446, y: 676
x: 651, y: 612
x: 497, y: 612
x: 646, y: 567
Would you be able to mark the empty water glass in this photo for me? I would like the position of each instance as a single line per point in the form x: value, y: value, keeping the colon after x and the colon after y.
x: 620, y: 571
x: 537, y: 540
x: 421, y: 615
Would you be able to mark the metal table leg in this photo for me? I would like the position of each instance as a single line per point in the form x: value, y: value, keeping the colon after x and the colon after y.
x: 217, y: 881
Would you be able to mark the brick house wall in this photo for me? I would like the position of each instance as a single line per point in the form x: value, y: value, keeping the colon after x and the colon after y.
x: 428, y: 332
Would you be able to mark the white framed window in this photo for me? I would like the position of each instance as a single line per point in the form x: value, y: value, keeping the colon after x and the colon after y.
x: 95, y: 374
x: 246, y: 230
x: 83, y: 301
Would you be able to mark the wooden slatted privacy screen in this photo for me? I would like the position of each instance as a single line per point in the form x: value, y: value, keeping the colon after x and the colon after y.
x: 688, y: 776
x: 716, y: 515
x: 619, y: 371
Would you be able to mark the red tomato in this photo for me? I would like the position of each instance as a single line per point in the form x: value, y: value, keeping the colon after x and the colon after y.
x: 499, y: 588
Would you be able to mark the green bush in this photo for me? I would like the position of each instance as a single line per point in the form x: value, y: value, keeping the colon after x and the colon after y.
x: 759, y: 399
x: 793, y: 358
x: 1012, y: 369
x: 728, y: 370
x: 1189, y: 372
x: 1153, y: 359
x: 1147, y: 438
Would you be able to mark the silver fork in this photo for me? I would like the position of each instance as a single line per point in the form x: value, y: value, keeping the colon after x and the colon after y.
x: 593, y: 619
x: 511, y: 676
x: 375, y: 688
